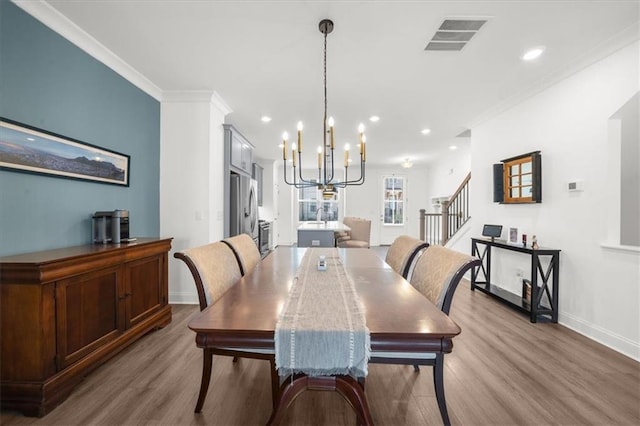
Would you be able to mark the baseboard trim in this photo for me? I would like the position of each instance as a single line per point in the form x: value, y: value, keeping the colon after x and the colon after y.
x: 183, y: 298
x: 601, y: 335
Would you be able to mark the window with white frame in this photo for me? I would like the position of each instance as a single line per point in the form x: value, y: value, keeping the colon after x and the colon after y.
x: 393, y: 200
x: 312, y: 207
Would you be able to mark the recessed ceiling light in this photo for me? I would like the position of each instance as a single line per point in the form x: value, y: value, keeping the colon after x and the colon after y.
x: 425, y: 131
x: 265, y: 119
x: 453, y: 147
x: 374, y: 118
x: 532, y: 54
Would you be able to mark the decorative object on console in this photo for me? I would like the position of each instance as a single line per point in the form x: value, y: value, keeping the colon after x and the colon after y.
x: 492, y: 231
x: 513, y: 235
x: 31, y: 150
x: 326, y: 181
x: 534, y: 242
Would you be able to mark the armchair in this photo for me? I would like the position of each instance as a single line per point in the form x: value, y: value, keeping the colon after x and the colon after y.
x: 358, y: 236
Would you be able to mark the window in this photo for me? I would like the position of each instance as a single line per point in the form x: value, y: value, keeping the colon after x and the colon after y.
x: 518, y: 179
x: 310, y: 201
x: 393, y: 200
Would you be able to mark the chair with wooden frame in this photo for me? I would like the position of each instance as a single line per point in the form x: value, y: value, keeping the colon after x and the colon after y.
x: 215, y: 269
x: 403, y: 252
x: 436, y: 275
x: 245, y: 250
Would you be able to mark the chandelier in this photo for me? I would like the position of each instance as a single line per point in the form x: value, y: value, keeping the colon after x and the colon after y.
x: 326, y: 182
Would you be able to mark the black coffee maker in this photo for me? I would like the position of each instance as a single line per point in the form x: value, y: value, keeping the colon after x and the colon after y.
x: 111, y: 227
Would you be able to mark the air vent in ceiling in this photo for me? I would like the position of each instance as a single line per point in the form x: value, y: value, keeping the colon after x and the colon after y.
x: 454, y: 34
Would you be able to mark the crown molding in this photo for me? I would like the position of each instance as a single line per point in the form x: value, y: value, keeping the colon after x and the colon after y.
x: 220, y: 103
x: 197, y: 96
x: 187, y: 96
x: 59, y: 23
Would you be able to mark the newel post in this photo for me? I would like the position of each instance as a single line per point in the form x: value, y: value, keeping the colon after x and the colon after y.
x: 445, y: 223
x: 422, y: 224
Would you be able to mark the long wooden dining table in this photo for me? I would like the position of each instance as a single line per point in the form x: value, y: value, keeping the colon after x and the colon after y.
x: 399, y: 318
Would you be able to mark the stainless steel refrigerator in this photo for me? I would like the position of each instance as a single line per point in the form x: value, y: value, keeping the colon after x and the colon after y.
x: 244, y: 206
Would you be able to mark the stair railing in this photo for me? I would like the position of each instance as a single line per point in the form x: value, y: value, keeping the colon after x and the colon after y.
x: 438, y: 228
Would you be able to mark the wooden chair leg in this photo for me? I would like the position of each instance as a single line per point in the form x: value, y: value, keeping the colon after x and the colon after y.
x: 416, y: 368
x: 235, y: 359
x: 207, y: 362
x: 438, y: 382
x: 275, y: 383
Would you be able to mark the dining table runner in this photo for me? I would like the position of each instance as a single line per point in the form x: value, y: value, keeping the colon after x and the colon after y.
x: 322, y: 330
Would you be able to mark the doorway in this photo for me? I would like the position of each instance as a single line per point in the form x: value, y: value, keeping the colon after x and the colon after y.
x: 393, y: 219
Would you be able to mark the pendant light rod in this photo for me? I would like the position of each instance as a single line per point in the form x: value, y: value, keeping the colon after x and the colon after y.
x: 326, y: 168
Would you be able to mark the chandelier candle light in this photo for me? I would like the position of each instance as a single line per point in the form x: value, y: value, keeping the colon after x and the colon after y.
x: 325, y: 182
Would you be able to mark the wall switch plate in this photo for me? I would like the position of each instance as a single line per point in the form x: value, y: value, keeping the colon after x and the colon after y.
x: 575, y: 186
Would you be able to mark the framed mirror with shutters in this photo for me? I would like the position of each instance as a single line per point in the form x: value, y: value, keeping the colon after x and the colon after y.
x: 518, y: 180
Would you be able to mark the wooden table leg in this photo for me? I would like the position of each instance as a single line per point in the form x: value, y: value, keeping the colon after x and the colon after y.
x: 346, y: 386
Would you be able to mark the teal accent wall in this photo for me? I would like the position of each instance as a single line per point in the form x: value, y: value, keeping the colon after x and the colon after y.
x: 49, y: 83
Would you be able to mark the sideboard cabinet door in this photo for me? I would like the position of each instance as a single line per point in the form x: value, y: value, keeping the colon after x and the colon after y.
x: 87, y: 313
x: 144, y: 286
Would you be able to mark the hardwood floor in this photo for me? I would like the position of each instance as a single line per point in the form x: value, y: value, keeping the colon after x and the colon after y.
x: 503, y: 371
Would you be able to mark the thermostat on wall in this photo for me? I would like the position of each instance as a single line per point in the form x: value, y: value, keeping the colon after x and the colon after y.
x: 576, y: 185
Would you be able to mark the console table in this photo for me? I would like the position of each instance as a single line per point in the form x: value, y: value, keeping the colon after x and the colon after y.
x: 544, y: 279
x: 66, y: 311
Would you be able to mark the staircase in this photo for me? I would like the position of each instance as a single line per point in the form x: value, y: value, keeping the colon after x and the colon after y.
x: 438, y: 228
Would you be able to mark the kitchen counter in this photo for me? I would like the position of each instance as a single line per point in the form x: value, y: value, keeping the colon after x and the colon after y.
x: 319, y: 234
x: 323, y: 226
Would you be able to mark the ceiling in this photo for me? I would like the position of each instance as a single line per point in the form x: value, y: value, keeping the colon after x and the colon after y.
x: 265, y: 58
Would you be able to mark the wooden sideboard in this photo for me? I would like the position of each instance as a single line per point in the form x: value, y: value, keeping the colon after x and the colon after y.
x: 65, y: 312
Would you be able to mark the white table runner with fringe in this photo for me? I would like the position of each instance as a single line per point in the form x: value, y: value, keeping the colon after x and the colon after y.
x: 322, y: 330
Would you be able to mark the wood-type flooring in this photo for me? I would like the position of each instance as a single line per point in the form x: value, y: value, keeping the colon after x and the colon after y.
x: 503, y: 371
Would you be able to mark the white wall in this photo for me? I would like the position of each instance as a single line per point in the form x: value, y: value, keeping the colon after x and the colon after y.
x: 446, y: 174
x: 599, y: 287
x: 191, y: 175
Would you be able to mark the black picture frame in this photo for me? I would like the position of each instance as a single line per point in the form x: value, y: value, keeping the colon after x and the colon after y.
x: 28, y: 149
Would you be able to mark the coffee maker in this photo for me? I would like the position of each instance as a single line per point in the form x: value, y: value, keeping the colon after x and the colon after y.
x: 111, y: 227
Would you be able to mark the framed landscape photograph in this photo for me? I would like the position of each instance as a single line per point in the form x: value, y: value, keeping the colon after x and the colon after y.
x: 31, y: 150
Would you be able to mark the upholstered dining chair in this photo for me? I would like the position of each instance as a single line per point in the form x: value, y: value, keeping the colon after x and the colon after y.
x: 358, y: 236
x: 215, y: 269
x: 436, y: 275
x: 245, y: 250
x: 402, y: 253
